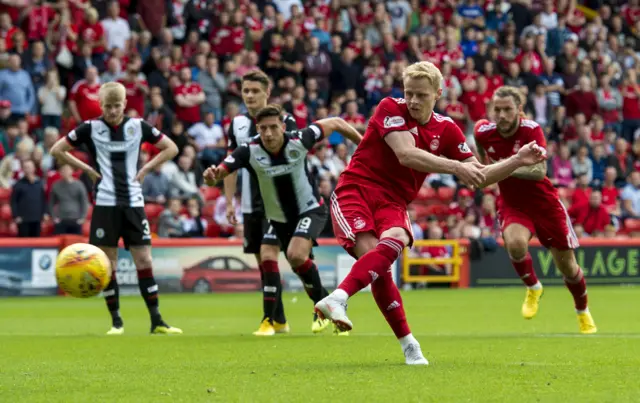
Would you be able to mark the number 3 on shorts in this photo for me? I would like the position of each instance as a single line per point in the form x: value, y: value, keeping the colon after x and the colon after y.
x: 146, y: 229
x: 304, y: 224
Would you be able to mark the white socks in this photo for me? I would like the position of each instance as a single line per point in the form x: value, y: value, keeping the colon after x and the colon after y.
x: 340, y: 295
x: 536, y: 286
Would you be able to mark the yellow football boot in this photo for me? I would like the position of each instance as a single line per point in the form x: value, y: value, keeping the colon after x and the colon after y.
x: 586, y: 323
x: 319, y: 325
x: 265, y: 329
x: 281, y: 327
x: 337, y: 332
x: 163, y: 328
x: 531, y: 302
x: 115, y: 331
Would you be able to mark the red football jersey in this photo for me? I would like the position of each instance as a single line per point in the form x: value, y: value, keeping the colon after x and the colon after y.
x: 523, y: 194
x: 87, y: 99
x: 375, y: 164
x: 192, y: 113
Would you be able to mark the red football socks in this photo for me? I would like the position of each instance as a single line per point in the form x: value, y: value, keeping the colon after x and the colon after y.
x: 525, y: 270
x: 372, y: 265
x: 389, y: 301
x: 578, y: 288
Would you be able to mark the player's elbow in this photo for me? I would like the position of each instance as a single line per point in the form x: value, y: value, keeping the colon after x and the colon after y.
x: 406, y: 157
x: 173, y: 150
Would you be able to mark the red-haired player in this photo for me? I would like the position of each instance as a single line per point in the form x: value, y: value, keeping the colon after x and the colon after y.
x: 529, y: 204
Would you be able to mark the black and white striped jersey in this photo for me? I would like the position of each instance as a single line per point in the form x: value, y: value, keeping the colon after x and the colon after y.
x: 115, y: 152
x: 286, y: 186
x: 241, y: 130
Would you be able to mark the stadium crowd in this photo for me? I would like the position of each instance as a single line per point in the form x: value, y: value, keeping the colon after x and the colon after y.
x: 181, y: 62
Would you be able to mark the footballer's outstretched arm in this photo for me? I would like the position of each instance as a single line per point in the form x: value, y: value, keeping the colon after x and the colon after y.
x: 403, y: 145
x: 531, y: 154
x: 330, y: 125
x: 535, y: 172
x: 239, y: 158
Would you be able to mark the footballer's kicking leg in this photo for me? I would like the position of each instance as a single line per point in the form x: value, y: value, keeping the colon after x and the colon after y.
x: 149, y: 289
x: 112, y: 295
x: 565, y: 261
x: 516, y: 238
x: 373, y: 267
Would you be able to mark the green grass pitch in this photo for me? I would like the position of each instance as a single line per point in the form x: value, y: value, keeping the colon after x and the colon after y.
x: 480, y: 349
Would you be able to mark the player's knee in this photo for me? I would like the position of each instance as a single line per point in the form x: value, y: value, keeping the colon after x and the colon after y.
x: 517, y: 248
x: 269, y: 252
x: 142, y: 259
x: 397, y: 233
x: 297, y: 258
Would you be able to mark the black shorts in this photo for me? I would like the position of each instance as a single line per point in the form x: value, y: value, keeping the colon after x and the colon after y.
x: 308, y: 226
x: 255, y: 227
x: 109, y: 224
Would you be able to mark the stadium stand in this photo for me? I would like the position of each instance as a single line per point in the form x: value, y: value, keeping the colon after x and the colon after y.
x: 576, y: 61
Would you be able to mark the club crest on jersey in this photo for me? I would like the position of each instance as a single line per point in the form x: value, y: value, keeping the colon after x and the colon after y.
x: 359, y: 223
x: 435, y: 143
x: 516, y: 146
x: 294, y: 154
x: 393, y: 121
x: 131, y: 131
x: 464, y: 148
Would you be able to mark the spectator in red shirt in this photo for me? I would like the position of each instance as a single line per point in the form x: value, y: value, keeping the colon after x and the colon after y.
x: 456, y: 110
x: 39, y: 16
x: 84, y: 102
x: 582, y: 192
x: 630, y: 105
x: 609, y: 190
x: 93, y: 33
x: 188, y: 97
x: 593, y: 216
x: 583, y: 99
x: 137, y: 88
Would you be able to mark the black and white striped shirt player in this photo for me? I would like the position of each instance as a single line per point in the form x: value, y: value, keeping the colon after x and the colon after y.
x: 119, y: 204
x: 289, y: 193
x: 242, y: 130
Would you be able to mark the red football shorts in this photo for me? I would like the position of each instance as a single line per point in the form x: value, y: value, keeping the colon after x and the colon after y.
x: 356, y: 209
x: 551, y: 225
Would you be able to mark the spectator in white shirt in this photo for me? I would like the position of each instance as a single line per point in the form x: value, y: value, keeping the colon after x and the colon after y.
x: 209, y: 139
x: 341, y: 158
x: 116, y: 28
x: 631, y: 196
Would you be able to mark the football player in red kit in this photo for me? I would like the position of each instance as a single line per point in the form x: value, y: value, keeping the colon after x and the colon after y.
x: 529, y: 204
x: 403, y: 142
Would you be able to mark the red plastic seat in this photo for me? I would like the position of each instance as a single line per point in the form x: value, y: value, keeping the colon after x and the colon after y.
x: 153, y: 211
x: 210, y: 193
x: 446, y: 194
x: 86, y: 228
x: 208, y: 210
x: 47, y: 228
x: 632, y: 224
x: 426, y: 194
x: 5, y: 213
x: 5, y: 195
x: 213, y: 229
